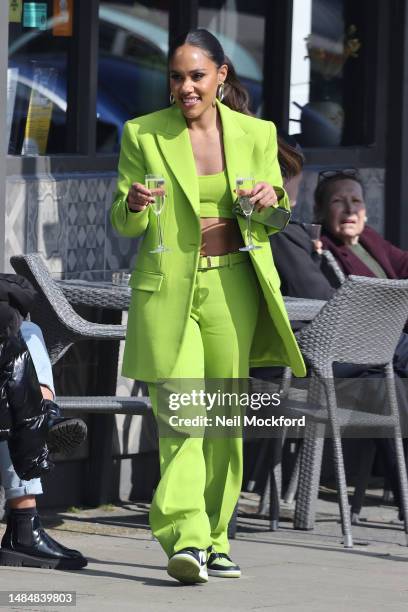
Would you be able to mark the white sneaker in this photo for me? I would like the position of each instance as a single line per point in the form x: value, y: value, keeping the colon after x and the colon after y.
x: 189, y: 566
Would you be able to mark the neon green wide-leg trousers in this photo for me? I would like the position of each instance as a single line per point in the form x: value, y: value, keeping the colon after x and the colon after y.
x: 201, y: 477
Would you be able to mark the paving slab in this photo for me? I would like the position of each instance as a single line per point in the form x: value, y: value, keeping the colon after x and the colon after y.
x: 285, y: 570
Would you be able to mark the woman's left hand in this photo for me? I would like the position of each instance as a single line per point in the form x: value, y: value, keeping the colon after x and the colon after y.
x: 264, y: 196
x: 318, y: 246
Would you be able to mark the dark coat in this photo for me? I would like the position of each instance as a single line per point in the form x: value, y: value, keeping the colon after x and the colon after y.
x: 300, y: 273
x: 298, y: 265
x: 23, y: 415
x: 394, y: 261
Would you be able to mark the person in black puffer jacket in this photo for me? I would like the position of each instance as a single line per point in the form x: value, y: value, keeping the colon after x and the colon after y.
x: 30, y: 425
x: 23, y: 413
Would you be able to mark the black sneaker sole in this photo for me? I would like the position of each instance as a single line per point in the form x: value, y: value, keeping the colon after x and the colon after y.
x: 16, y: 559
x: 65, y: 437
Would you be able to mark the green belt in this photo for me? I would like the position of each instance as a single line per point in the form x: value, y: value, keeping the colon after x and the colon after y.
x: 219, y: 261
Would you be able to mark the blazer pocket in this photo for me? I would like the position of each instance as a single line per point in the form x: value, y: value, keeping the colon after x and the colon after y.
x: 146, y: 281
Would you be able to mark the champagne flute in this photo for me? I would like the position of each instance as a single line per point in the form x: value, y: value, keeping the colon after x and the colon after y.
x: 157, y: 186
x: 244, y: 186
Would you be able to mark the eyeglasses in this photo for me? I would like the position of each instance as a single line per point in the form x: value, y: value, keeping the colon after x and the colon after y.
x: 341, y: 172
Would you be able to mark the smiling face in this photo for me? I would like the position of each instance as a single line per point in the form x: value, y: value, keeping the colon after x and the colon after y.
x: 344, y: 210
x: 194, y: 79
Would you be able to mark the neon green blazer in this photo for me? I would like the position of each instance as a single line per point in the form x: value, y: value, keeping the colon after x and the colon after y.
x: 163, y: 284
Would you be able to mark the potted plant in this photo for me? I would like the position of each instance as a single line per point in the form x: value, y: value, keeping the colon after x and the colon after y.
x: 322, y: 119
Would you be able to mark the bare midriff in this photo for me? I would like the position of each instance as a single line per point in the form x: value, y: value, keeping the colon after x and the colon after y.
x: 220, y: 236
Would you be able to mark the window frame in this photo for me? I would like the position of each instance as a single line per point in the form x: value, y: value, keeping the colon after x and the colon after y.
x: 82, y: 94
x: 362, y: 156
x: 82, y: 90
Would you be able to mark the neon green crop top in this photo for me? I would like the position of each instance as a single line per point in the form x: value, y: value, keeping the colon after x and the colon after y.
x: 215, y: 196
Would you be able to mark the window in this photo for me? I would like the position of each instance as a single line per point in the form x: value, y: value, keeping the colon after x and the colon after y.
x: 239, y: 26
x: 39, y: 50
x: 132, y: 70
x: 331, y: 96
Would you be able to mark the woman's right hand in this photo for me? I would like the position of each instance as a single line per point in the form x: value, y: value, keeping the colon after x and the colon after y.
x: 139, y: 197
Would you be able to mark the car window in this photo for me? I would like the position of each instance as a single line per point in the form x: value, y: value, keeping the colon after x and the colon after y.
x: 39, y: 53
x: 132, y: 67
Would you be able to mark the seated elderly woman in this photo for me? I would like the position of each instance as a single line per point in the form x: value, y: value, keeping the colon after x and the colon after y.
x: 360, y: 250
x: 341, y: 210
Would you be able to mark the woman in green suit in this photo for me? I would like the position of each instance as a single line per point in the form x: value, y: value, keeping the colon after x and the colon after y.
x: 204, y: 309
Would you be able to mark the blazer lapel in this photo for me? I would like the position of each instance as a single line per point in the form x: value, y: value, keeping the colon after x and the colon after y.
x: 175, y: 146
x: 238, y: 147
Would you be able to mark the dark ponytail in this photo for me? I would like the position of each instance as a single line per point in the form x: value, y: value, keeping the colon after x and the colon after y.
x: 290, y: 156
x: 236, y: 96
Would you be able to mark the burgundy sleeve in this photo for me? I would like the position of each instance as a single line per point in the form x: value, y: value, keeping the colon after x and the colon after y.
x: 398, y: 259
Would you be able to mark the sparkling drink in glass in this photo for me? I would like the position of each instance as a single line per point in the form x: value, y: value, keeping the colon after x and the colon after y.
x: 157, y: 186
x: 244, y: 186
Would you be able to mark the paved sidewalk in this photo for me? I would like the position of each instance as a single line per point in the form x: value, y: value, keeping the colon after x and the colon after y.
x: 286, y: 570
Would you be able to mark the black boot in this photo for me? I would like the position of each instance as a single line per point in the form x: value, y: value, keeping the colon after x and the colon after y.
x: 25, y: 543
x: 64, y: 433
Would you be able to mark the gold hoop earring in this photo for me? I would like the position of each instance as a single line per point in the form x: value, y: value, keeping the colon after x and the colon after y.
x: 172, y: 99
x: 220, y: 91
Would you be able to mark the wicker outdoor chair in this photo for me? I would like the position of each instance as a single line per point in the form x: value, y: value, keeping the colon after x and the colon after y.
x: 62, y: 327
x: 331, y: 269
x: 360, y: 324
x: 270, y: 453
x: 368, y: 449
x: 335, y: 274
